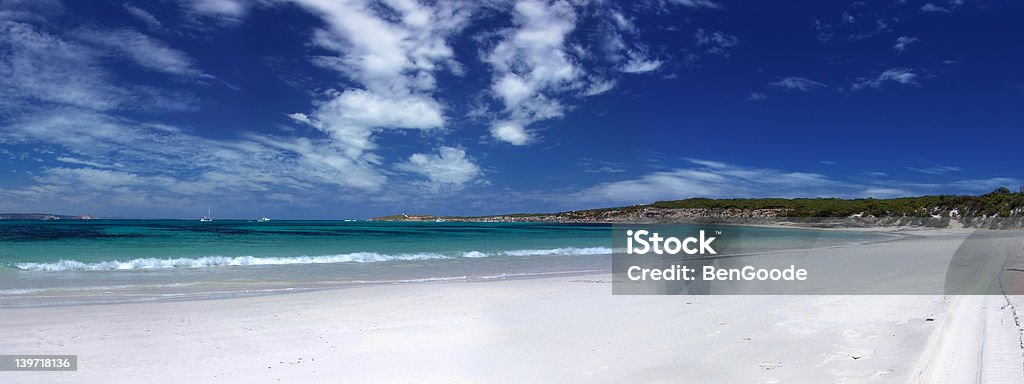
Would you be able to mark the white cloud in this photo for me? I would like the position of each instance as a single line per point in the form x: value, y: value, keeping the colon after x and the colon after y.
x: 848, y: 18
x: 698, y: 3
x: 712, y: 179
x: 717, y: 43
x: 71, y: 160
x: 622, y: 22
x: 450, y: 169
x: 350, y: 117
x: 883, y: 192
x: 145, y: 51
x: 936, y: 170
x: 823, y: 29
x: 932, y: 8
x: 43, y: 69
x: 228, y: 11
x: 797, y: 83
x: 512, y: 89
x: 715, y: 179
x: 895, y: 75
x: 599, y: 86
x: 756, y: 96
x: 986, y: 185
x: 143, y: 16
x: 630, y: 56
x: 640, y: 66
x: 880, y: 26
x: 385, y: 55
x: 903, y: 42
x: 158, y: 164
x: 601, y: 166
x: 511, y: 132
x: 392, y: 53
x: 530, y: 63
x: 92, y: 178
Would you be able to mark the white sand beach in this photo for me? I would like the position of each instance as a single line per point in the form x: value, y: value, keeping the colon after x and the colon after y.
x: 554, y: 329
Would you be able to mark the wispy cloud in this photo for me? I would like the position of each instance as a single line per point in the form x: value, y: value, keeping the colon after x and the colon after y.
x: 903, y: 42
x: 797, y: 83
x: 715, y: 43
x: 144, y: 16
x: 929, y: 7
x: 160, y: 164
x: 46, y: 69
x: 936, y: 170
x: 641, y: 65
x: 630, y: 55
x: 227, y: 12
x: 848, y: 18
x: 935, y: 8
x: 715, y: 179
x: 880, y: 26
x: 590, y: 165
x: 824, y: 30
x: 712, y: 179
x: 72, y: 160
x: 145, y: 51
x: 756, y: 96
x: 698, y: 4
x: 904, y: 76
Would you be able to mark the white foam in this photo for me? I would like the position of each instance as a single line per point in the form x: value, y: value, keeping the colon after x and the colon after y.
x: 222, y: 261
x: 559, y: 251
x: 219, y: 261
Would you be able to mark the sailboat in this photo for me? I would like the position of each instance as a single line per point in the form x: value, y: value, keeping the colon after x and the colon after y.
x: 208, y: 217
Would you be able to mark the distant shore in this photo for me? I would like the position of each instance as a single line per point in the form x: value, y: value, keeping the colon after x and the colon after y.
x: 999, y: 209
x: 760, y: 218
x: 42, y: 216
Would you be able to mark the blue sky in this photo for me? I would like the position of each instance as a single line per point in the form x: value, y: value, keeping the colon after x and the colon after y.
x: 347, y: 109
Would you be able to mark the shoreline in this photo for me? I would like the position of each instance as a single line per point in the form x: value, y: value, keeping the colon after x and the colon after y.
x: 213, y: 290
x: 175, y: 292
x: 546, y: 329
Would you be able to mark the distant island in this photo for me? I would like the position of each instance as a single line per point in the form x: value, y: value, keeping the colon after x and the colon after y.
x: 42, y: 216
x: 999, y: 209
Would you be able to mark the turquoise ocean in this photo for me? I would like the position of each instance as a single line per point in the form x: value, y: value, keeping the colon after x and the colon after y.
x: 99, y: 261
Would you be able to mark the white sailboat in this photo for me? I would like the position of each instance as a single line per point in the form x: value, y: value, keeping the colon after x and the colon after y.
x: 208, y: 217
x: 263, y: 219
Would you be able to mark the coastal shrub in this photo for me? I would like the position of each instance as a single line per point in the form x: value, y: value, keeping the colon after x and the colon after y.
x: 989, y: 204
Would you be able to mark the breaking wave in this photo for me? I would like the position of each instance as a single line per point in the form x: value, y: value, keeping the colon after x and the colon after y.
x: 224, y: 261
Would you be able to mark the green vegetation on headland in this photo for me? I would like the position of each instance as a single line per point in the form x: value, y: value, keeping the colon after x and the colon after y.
x: 1000, y: 202
x: 1000, y: 208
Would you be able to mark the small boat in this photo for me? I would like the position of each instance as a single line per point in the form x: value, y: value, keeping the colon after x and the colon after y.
x: 439, y: 220
x: 208, y: 217
x: 263, y: 219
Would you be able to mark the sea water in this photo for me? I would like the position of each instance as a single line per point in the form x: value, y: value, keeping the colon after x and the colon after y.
x: 98, y: 261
